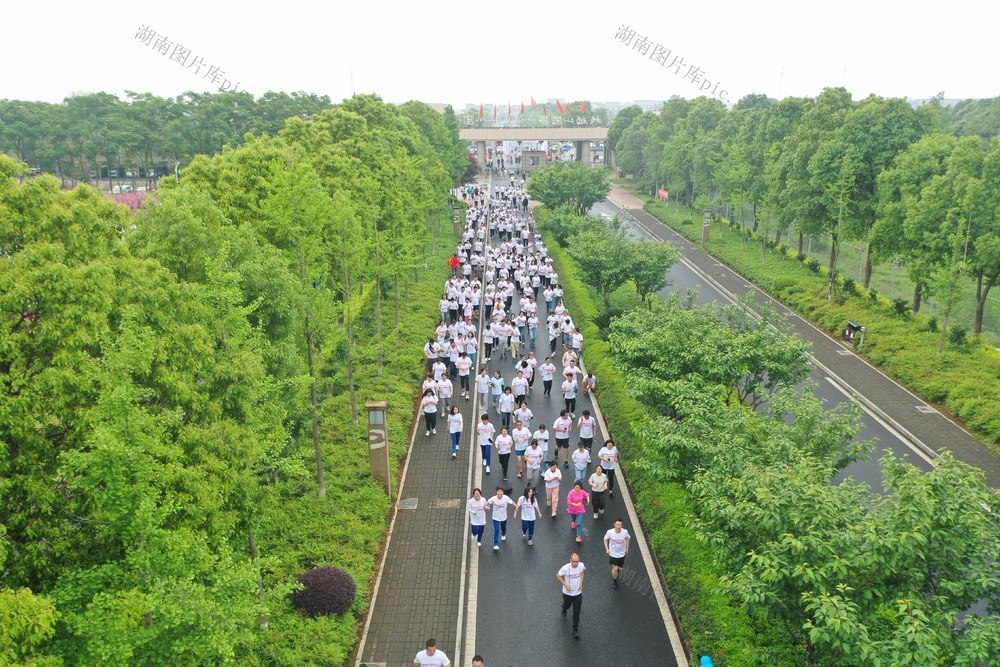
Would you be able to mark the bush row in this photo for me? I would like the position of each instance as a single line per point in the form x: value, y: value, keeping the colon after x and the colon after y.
x: 963, y: 380
x: 712, y: 622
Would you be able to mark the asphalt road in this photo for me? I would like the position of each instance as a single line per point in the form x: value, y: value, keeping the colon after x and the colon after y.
x: 518, y: 620
x: 868, y: 470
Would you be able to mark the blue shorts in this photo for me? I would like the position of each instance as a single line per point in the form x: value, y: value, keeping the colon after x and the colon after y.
x: 519, y: 452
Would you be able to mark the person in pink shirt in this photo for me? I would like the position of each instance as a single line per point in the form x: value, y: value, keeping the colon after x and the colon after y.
x: 576, y: 501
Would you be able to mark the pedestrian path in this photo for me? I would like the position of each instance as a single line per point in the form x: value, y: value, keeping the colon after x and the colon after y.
x: 435, y: 582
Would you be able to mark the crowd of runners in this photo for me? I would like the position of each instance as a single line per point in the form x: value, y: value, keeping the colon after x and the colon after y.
x: 503, y: 278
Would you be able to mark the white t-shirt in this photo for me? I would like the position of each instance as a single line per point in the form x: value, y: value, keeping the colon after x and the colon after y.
x: 506, y: 402
x: 548, y: 371
x: 598, y: 483
x: 482, y: 383
x: 499, y: 506
x: 519, y: 385
x: 463, y: 364
x: 552, y: 478
x: 522, y: 437
x: 504, y: 443
x: 477, y: 511
x: 429, y: 403
x: 533, y: 456
x: 524, y: 415
x: 617, y: 542
x: 573, y: 576
x: 485, y: 431
x: 581, y: 458
x: 587, y: 425
x: 543, y: 439
x: 561, y: 423
x: 569, y: 388
x: 528, y: 508
x: 611, y: 454
x: 455, y: 423
x: 439, y: 659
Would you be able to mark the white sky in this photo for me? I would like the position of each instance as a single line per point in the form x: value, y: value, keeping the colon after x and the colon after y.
x: 500, y: 52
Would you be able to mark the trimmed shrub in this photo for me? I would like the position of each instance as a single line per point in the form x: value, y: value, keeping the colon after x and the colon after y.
x: 325, y: 590
x: 958, y: 334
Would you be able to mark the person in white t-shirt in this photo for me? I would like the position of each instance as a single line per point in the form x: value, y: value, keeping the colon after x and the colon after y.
x: 464, y: 366
x: 522, y: 436
x: 475, y: 507
x: 483, y: 387
x: 498, y: 505
x: 533, y: 457
x: 505, y: 445
x: 524, y: 415
x: 552, y: 477
x: 431, y: 657
x: 569, y: 389
x: 541, y: 436
x: 429, y: 403
x: 571, y: 576
x: 586, y: 426
x: 455, y: 429
x: 562, y: 426
x: 485, y: 431
x: 548, y: 371
x: 581, y: 459
x: 616, y: 544
x: 527, y: 505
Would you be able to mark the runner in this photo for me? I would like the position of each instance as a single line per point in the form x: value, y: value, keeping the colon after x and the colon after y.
x: 616, y: 544
x: 562, y: 426
x: 483, y: 387
x: 548, y: 371
x: 576, y: 507
x: 475, y: 507
x: 485, y: 430
x: 552, y: 477
x: 429, y: 404
x: 581, y: 459
x: 464, y: 365
x: 431, y: 657
x: 571, y: 576
x: 541, y: 436
x: 586, y: 426
x: 569, y: 389
x: 527, y: 504
x: 504, y: 444
x: 533, y: 458
x: 522, y: 436
x: 455, y: 424
x: 598, y: 489
x: 498, y: 504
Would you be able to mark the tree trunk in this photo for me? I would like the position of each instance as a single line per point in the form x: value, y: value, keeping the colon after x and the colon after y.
x: 833, y: 265
x: 917, y: 293
x: 868, y: 267
x: 395, y: 281
x: 350, y: 348
x: 260, y: 580
x: 983, y: 287
x: 802, y: 242
x: 756, y: 221
x: 313, y: 387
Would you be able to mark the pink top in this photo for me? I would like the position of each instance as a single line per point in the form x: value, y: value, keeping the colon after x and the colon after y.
x: 575, y: 500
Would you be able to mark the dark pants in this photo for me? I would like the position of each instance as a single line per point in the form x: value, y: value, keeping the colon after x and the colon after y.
x: 477, y: 532
x: 571, y: 404
x: 431, y: 419
x: 504, y: 462
x: 547, y: 384
x: 611, y: 478
x: 576, y: 601
x: 528, y: 528
x: 597, y: 499
x: 552, y: 344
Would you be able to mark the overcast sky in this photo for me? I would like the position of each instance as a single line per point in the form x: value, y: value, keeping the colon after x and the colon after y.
x: 499, y: 52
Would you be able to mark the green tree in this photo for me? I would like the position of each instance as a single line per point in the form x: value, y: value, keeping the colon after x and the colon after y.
x: 569, y: 183
x: 647, y: 265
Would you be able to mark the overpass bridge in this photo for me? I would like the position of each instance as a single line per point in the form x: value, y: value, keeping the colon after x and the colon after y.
x: 582, y: 136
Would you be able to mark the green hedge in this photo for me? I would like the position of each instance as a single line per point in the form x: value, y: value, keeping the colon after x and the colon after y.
x: 964, y: 380
x: 348, y: 529
x: 712, y: 622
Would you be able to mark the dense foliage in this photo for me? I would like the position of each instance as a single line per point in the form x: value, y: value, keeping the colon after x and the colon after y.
x: 897, y: 179
x: 569, y: 183
x: 173, y: 383
x: 847, y: 577
x: 95, y: 133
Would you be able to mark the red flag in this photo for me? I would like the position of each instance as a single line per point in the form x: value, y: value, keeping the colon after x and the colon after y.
x: 508, y: 109
x: 559, y: 106
x: 480, y: 109
x: 533, y: 105
x: 583, y: 108
x: 494, y: 112
x: 522, y: 108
